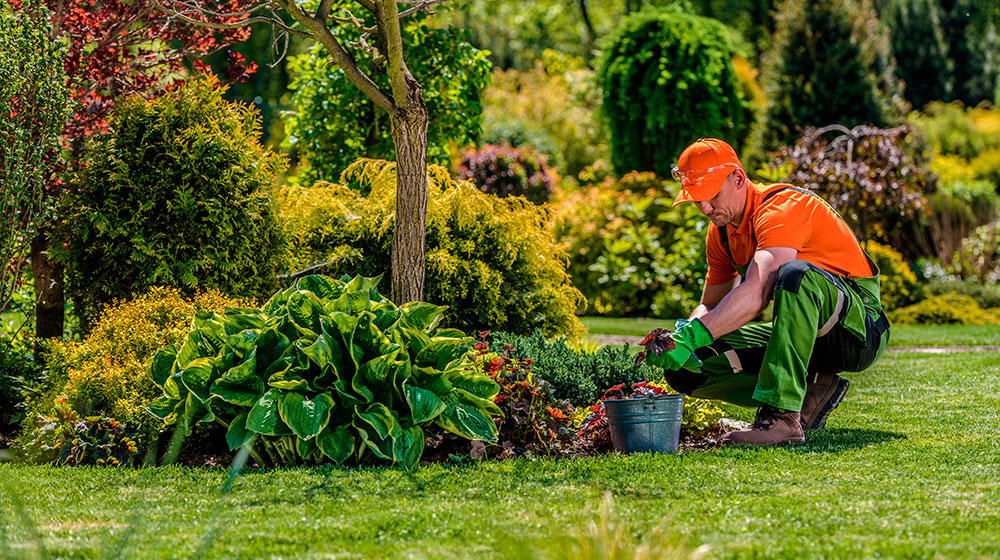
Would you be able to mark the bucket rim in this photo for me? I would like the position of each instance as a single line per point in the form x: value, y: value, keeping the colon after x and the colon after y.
x: 670, y: 396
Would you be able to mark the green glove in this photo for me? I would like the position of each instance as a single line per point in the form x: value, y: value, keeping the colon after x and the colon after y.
x: 687, y: 338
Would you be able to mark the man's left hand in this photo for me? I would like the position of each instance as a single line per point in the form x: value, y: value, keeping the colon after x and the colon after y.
x: 687, y: 338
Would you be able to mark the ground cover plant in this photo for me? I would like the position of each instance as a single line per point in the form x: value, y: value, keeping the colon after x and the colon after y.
x: 904, y: 469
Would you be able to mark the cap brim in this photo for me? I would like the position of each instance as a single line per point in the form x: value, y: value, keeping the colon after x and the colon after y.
x: 705, y: 189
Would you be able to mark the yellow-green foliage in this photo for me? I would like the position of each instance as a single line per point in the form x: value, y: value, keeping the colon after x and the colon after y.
x: 699, y: 417
x: 631, y: 252
x: 964, y: 142
x: 551, y: 107
x: 492, y: 260
x: 900, y: 286
x: 106, y: 373
x: 949, y: 308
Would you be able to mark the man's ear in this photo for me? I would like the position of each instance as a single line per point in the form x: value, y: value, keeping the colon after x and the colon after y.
x: 741, y: 178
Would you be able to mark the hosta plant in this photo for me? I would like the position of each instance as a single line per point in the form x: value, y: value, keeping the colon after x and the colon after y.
x: 327, y: 370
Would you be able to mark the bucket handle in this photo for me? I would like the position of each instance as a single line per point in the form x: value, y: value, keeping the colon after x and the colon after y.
x: 650, y: 403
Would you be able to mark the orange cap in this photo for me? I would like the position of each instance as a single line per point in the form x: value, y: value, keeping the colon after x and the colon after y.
x: 702, y: 168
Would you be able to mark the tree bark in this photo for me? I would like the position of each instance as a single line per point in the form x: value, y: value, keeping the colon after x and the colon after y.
x: 409, y: 134
x: 49, y: 302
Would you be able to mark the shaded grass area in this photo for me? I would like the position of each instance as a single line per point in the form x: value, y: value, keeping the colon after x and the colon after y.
x: 907, y: 468
x: 902, y: 335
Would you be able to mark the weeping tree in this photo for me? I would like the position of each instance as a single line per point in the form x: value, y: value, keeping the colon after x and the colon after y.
x: 34, y: 105
x: 403, y: 101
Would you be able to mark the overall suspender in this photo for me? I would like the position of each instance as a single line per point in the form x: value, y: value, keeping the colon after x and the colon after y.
x: 881, y: 323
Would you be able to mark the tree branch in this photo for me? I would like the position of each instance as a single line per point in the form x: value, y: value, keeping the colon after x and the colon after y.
x: 341, y: 57
x: 419, y: 5
x: 388, y: 22
x: 245, y: 22
x: 323, y: 10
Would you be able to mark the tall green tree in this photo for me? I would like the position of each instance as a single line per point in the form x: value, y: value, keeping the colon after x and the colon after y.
x: 401, y: 95
x: 34, y: 106
x: 829, y: 63
x: 451, y: 71
x: 972, y: 30
x: 923, y: 60
x: 667, y: 79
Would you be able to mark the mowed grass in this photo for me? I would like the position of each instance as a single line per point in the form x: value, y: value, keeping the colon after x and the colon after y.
x: 902, y: 335
x: 908, y: 468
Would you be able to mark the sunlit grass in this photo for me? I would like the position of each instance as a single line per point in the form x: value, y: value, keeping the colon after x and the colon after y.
x: 907, y: 468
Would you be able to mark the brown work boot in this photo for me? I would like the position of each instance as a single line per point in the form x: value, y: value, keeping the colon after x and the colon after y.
x: 772, y: 426
x: 823, y: 393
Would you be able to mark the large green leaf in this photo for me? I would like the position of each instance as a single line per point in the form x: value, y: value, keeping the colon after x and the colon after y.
x: 238, y: 434
x: 319, y: 285
x: 424, y: 404
x: 319, y: 351
x: 341, y: 328
x: 304, y: 309
x: 197, y: 377
x: 195, y: 411
x: 213, y: 332
x: 243, y: 370
x: 336, y: 442
x: 339, y: 304
x: 278, y: 300
x: 242, y: 393
x: 306, y: 417
x: 382, y: 420
x: 424, y: 316
x: 466, y: 421
x: 442, y: 351
x: 271, y: 345
x: 243, y: 342
x: 479, y: 384
x: 408, y: 446
x: 163, y: 361
x: 190, y: 350
x: 238, y: 319
x: 306, y: 448
x: 174, y: 388
x: 433, y: 380
x: 371, y: 379
x: 161, y: 407
x: 370, y: 441
x: 486, y: 407
x: 264, y: 417
x: 386, y: 316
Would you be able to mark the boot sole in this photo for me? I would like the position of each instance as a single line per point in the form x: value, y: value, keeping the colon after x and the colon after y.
x: 831, y: 403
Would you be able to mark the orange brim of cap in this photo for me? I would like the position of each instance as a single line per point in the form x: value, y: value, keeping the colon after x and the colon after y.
x: 704, y: 188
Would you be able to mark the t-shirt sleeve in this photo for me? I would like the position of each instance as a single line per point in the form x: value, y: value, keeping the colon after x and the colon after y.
x: 720, y: 264
x: 785, y: 221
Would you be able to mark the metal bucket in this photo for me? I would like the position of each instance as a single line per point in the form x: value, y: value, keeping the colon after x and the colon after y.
x: 651, y: 424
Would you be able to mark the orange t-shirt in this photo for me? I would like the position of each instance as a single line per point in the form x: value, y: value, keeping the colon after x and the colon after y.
x: 790, y: 219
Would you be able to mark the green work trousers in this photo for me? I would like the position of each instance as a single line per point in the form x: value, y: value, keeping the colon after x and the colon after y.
x: 823, y: 323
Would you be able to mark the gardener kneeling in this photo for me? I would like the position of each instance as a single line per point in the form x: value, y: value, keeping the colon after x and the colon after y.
x: 780, y: 242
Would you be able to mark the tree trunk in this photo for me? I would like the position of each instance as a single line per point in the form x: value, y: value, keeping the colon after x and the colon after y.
x: 49, y: 302
x: 588, y: 38
x: 409, y: 134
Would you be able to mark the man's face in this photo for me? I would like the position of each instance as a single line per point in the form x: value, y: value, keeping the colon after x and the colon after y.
x: 727, y: 206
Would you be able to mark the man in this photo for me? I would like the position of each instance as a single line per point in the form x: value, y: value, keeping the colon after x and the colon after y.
x: 780, y: 243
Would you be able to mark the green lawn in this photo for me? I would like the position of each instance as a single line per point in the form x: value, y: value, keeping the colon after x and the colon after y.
x: 907, y: 468
x: 902, y: 335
